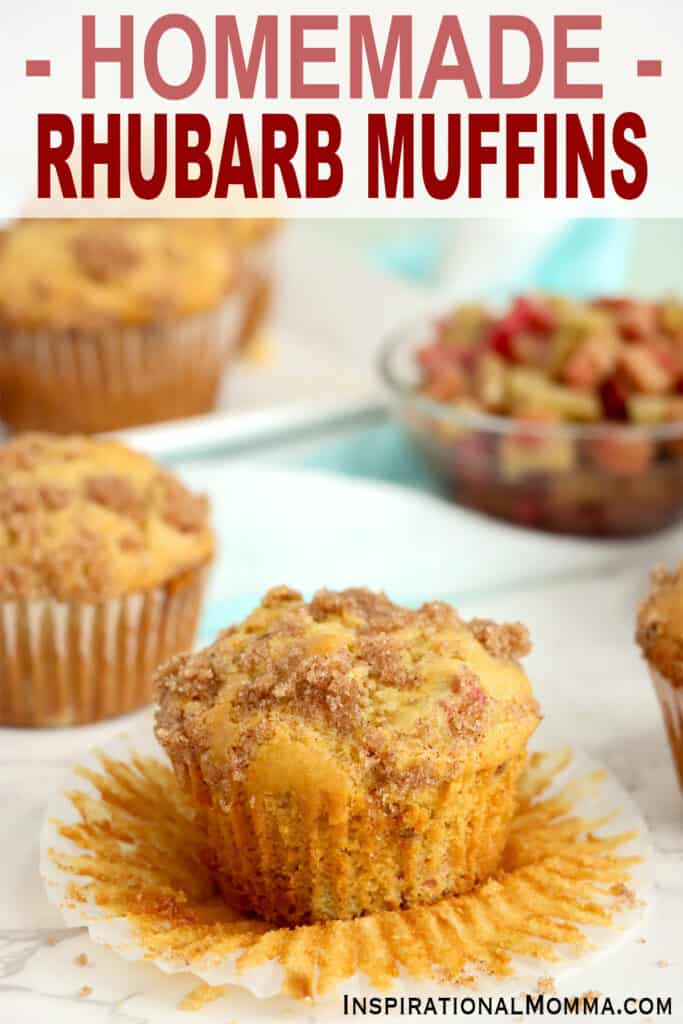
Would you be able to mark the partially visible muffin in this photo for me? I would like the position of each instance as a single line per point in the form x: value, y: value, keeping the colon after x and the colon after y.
x: 350, y: 755
x: 112, y: 323
x: 255, y: 241
x: 103, y: 556
x: 660, y: 635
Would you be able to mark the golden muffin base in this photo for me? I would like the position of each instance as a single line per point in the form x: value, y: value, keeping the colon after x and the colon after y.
x: 73, y: 663
x: 301, y: 864
x: 112, y: 377
x: 135, y: 854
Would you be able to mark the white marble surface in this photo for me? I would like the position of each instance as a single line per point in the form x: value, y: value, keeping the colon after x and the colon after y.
x: 586, y: 670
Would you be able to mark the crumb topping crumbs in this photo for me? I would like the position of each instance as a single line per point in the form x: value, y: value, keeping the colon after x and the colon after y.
x: 89, y: 274
x: 625, y: 896
x: 104, y: 255
x: 83, y: 519
x: 403, y: 693
x: 116, y: 493
x: 509, y: 640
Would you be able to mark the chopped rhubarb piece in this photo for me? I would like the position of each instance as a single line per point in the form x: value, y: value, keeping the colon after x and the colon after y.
x: 527, y: 317
x: 579, y: 406
x: 489, y: 380
x: 591, y: 362
x: 525, y: 453
x: 467, y: 326
x: 647, y: 409
x: 643, y: 369
x: 614, y: 395
x: 535, y: 313
x: 449, y: 384
x: 528, y: 349
x: 670, y: 318
x: 437, y: 358
x: 473, y: 459
x: 620, y: 454
x: 634, y: 318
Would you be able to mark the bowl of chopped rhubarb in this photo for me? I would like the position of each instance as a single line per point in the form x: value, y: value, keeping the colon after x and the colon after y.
x: 553, y: 413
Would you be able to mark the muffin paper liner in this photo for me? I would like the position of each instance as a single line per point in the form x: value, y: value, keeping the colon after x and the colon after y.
x: 259, y: 259
x: 112, y: 377
x: 321, y: 856
x: 123, y: 855
x: 71, y: 663
x: 671, y: 702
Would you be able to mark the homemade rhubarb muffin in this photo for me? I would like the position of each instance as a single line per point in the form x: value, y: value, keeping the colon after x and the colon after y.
x: 660, y: 635
x: 350, y: 755
x: 112, y: 323
x: 103, y: 557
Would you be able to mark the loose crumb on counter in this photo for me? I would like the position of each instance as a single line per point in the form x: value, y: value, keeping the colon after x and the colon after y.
x: 625, y: 896
x: 81, y: 960
x: 85, y: 991
x: 546, y: 985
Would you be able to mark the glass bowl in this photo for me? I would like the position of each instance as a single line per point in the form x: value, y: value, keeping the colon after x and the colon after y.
x: 604, y: 480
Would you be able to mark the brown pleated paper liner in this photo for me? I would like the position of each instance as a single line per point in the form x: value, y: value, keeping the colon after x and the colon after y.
x: 258, y: 273
x: 72, y: 663
x: 133, y: 854
x: 671, y: 702
x: 107, y: 378
x: 359, y: 863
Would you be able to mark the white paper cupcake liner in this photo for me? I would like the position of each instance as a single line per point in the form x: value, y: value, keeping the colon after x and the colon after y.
x: 112, y: 377
x: 71, y: 663
x: 266, y: 979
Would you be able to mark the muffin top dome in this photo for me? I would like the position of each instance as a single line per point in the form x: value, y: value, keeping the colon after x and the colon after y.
x: 660, y: 624
x: 86, y: 520
x: 350, y: 690
x: 63, y: 274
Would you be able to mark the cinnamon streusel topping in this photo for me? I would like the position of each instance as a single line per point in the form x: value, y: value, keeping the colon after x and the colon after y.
x: 86, y: 520
x: 394, y: 697
x: 88, y: 274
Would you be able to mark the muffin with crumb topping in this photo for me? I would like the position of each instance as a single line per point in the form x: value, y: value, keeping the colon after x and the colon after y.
x: 660, y: 636
x: 349, y: 755
x: 103, y: 557
x: 106, y: 324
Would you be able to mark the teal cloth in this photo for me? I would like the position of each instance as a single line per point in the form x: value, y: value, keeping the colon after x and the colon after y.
x: 589, y: 256
x: 379, y: 452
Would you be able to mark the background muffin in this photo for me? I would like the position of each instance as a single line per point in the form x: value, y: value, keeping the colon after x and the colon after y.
x: 350, y: 755
x: 106, y: 324
x: 255, y: 240
x: 103, y: 556
x: 660, y: 635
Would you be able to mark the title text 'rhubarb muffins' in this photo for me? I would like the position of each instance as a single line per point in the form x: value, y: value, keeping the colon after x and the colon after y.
x: 103, y: 557
x: 350, y: 755
x: 111, y: 323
